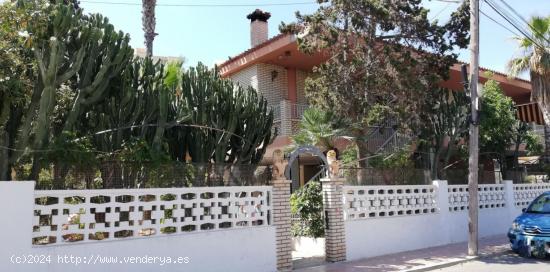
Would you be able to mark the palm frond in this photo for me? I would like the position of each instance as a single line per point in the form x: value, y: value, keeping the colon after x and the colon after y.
x: 524, y: 43
x: 540, y: 27
x: 519, y: 65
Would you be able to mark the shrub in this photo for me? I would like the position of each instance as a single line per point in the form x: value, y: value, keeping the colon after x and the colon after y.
x: 307, y: 204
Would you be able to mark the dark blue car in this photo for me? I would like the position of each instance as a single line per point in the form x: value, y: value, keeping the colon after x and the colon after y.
x: 530, y: 232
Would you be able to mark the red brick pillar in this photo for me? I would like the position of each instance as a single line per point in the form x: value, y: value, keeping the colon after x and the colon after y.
x: 335, y: 236
x: 281, y: 221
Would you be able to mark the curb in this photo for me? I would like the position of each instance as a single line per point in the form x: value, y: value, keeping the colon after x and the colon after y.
x: 453, y: 263
x: 443, y: 265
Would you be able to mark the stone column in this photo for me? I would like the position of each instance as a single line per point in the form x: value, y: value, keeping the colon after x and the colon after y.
x: 335, y: 236
x: 281, y: 221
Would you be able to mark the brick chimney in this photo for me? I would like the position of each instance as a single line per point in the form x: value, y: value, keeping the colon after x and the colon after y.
x: 258, y: 26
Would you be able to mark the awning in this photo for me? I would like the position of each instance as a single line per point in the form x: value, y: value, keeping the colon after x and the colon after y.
x: 530, y: 113
x: 528, y: 160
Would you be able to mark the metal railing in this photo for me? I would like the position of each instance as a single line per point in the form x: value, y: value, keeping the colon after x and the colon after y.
x: 276, y: 112
x: 133, y: 175
x: 297, y: 110
x: 376, y: 176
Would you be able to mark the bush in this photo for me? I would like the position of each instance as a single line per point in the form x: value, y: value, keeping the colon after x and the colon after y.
x: 307, y: 204
x: 534, y: 144
x: 398, y: 160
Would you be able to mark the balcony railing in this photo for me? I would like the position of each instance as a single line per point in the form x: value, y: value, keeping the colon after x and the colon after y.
x: 287, y: 110
x: 276, y: 113
x: 297, y: 110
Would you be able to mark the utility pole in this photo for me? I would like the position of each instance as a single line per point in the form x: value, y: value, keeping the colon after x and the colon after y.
x: 473, y: 206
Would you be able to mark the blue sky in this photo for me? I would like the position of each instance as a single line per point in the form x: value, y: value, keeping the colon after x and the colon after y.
x: 212, y: 34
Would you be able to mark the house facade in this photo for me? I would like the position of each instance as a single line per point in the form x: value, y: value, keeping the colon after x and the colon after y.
x: 277, y: 69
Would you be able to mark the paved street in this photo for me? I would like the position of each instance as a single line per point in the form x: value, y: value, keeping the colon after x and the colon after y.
x: 507, y: 262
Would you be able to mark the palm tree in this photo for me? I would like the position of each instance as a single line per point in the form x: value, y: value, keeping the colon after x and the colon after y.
x: 535, y: 59
x: 149, y: 23
x: 318, y: 128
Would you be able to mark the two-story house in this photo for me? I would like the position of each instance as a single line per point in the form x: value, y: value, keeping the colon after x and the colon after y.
x: 277, y: 69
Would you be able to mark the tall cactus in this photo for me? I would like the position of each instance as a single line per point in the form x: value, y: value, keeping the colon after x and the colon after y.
x: 107, y: 53
x: 56, y: 61
x: 123, y: 126
x: 229, y: 124
x: 132, y: 108
x: 255, y: 122
x: 76, y: 56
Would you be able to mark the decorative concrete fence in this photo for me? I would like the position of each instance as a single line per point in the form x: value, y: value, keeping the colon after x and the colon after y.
x: 241, y: 228
x: 198, y: 229
x: 390, y: 219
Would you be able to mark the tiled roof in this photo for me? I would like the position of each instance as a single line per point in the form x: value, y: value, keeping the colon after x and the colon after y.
x: 269, y: 41
x: 498, y: 73
x: 282, y: 35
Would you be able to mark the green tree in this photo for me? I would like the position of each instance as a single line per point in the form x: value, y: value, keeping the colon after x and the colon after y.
x: 498, y: 121
x: 534, y: 144
x: 385, y: 56
x: 17, y: 74
x: 535, y: 59
x: 444, y: 122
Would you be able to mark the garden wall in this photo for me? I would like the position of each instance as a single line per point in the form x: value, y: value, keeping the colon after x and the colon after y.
x: 390, y: 219
x: 175, y: 229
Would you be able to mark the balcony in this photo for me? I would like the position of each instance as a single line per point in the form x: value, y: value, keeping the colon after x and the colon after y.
x: 287, y: 116
x: 530, y: 113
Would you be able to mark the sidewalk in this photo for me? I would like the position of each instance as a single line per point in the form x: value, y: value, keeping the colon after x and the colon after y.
x: 418, y: 260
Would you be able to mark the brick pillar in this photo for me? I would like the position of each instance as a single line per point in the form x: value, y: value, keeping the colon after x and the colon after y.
x: 335, y: 236
x: 286, y: 118
x: 281, y: 221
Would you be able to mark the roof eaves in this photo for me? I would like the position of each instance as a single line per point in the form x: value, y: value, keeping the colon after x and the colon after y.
x: 499, y: 73
x: 257, y: 47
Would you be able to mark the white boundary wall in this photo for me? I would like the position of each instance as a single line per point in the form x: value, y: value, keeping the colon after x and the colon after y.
x: 250, y: 248
x: 382, y: 220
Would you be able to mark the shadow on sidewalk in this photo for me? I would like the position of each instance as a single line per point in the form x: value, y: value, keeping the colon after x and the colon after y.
x: 510, y: 258
x: 417, y: 259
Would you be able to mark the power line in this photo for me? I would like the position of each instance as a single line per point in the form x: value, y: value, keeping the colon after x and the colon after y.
x: 511, y: 21
x: 525, y: 21
x: 202, y: 5
x: 498, y: 23
x: 514, y: 11
x: 449, y: 1
x: 441, y: 11
x: 508, y: 17
x: 168, y: 125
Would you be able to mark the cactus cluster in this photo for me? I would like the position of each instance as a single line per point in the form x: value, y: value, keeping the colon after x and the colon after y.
x: 75, y: 58
x: 92, y: 95
x: 230, y: 124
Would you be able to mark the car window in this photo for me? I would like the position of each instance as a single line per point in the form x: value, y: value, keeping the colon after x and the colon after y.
x: 540, y: 205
